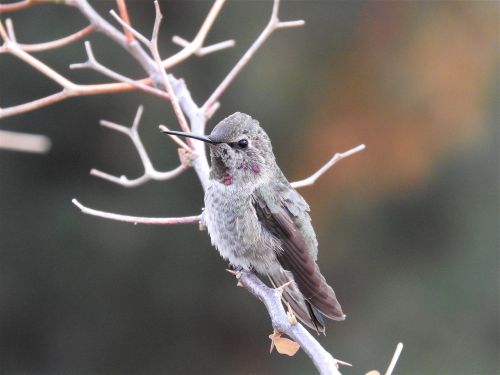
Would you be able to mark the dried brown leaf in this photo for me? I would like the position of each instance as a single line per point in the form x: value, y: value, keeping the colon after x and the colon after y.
x: 283, y: 345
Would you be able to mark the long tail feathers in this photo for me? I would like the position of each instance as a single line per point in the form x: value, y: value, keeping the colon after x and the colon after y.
x: 311, y: 310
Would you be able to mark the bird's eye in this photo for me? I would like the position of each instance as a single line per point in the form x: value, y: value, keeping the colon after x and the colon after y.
x: 242, y: 143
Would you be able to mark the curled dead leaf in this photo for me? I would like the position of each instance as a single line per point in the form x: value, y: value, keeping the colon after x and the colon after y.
x: 283, y: 345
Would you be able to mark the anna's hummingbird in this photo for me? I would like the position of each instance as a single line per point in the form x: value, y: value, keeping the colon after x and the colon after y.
x: 259, y: 222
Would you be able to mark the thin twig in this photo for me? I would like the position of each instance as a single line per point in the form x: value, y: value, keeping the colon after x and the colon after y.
x: 24, y: 142
x: 10, y: 30
x: 204, y: 50
x: 14, y: 7
x: 53, y: 44
x: 66, y: 93
x: 138, y: 219
x: 129, y: 28
x: 156, y: 55
x: 395, y: 358
x: 17, y: 6
x: 129, y: 183
x: 334, y: 160
x: 15, y: 50
x: 3, y: 33
x: 122, y: 9
x: 198, y: 40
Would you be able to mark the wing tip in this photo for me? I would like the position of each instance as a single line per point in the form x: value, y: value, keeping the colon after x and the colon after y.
x: 340, y: 318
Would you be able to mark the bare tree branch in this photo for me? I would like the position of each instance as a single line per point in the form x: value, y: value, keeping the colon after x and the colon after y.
x: 150, y: 173
x: 53, y: 44
x: 274, y: 24
x: 20, y: 5
x: 130, y: 29
x: 98, y: 89
x: 66, y: 93
x: 138, y: 219
x: 132, y: 47
x: 24, y: 142
x: 197, y: 120
x: 14, y: 7
x: 14, y: 49
x: 324, y: 362
x: 70, y: 89
x: 197, y: 43
x: 395, y: 358
x: 92, y: 63
x: 336, y: 158
x: 204, y: 50
x: 156, y: 55
x: 122, y: 9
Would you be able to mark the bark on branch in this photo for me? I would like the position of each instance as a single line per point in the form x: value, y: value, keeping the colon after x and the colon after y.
x: 271, y: 298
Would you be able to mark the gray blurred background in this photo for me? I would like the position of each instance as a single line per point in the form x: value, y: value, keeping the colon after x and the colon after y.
x: 408, y: 229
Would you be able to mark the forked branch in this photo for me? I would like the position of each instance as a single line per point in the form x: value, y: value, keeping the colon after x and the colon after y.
x: 71, y: 89
x: 273, y: 24
x: 150, y: 173
x: 334, y: 160
x: 92, y: 63
x: 204, y: 50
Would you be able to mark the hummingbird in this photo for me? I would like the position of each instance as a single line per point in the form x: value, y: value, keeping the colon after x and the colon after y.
x: 259, y: 222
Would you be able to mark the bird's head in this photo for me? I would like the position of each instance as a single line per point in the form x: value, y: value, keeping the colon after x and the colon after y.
x: 240, y: 150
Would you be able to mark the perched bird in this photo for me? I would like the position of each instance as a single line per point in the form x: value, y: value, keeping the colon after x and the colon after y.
x: 259, y: 222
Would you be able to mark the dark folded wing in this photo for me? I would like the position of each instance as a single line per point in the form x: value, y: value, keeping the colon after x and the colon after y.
x: 285, y: 216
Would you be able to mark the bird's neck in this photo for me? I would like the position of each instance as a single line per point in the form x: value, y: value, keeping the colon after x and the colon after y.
x: 245, y: 175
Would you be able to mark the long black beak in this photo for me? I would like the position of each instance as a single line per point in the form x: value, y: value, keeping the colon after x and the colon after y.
x: 203, y: 138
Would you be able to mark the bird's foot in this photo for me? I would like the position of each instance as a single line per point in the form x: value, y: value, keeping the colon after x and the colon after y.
x: 292, y: 319
x: 236, y: 271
